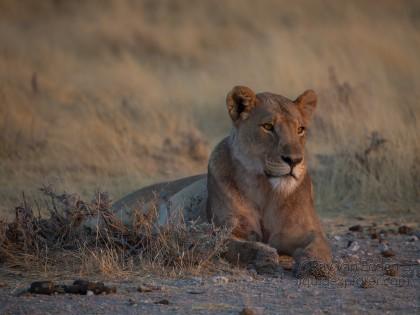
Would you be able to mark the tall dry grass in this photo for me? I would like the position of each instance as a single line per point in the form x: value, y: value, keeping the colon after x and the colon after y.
x: 79, y: 237
x: 118, y: 94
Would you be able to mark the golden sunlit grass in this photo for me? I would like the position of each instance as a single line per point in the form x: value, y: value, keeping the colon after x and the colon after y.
x: 87, y: 238
x: 113, y: 95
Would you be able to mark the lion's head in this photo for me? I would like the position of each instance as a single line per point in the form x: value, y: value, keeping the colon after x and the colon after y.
x: 269, y: 134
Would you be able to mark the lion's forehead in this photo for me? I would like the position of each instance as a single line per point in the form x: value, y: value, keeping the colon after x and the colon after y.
x: 278, y: 107
x: 271, y: 98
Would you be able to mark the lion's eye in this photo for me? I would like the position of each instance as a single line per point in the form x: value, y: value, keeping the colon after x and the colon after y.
x: 301, y: 130
x: 268, y: 126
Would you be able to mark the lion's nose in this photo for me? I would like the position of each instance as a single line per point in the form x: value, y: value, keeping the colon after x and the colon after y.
x: 292, y: 160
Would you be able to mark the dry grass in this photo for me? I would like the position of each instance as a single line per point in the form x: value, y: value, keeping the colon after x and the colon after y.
x: 112, y: 95
x: 63, y: 242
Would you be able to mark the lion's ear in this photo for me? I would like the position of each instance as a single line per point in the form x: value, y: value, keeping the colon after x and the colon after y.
x: 306, y: 103
x: 240, y: 101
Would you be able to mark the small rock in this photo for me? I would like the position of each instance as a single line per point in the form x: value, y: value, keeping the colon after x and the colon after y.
x: 383, y: 233
x: 367, y: 283
x: 220, y: 280
x: 81, y: 286
x: 392, y: 270
x: 42, y: 287
x: 356, y: 228
x: 337, y: 238
x: 413, y: 238
x: 196, y: 292
x: 383, y: 247
x: 247, y: 311
x: 89, y: 293
x: 404, y: 229
x: 144, y: 288
x: 388, y: 253
x: 385, y: 250
x: 75, y: 289
x: 374, y: 235
x: 247, y: 278
x: 354, y: 246
x: 163, y: 301
x: 132, y: 302
x: 109, y: 290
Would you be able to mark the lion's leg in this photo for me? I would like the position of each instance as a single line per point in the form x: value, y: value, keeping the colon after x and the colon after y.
x: 262, y: 257
x: 314, y: 260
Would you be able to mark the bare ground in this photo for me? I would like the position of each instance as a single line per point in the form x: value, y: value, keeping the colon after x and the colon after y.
x: 367, y: 282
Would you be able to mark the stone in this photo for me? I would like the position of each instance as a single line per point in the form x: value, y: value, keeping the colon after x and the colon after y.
x: 356, y: 228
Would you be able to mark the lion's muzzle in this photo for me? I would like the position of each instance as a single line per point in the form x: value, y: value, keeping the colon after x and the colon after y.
x: 276, y: 169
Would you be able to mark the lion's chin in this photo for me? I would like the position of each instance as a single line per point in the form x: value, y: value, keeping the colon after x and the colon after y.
x: 284, y: 184
x: 279, y: 175
x: 271, y: 173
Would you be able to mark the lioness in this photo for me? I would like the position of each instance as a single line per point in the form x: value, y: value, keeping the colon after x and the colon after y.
x: 257, y: 184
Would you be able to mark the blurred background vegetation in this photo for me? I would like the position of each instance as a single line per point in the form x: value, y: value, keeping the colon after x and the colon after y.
x: 112, y: 95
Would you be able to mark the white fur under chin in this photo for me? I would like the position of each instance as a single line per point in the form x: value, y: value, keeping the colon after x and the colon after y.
x: 284, y: 185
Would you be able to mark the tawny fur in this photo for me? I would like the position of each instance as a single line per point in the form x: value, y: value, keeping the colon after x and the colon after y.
x: 250, y: 185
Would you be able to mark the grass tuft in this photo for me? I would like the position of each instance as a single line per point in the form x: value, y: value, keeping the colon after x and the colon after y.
x: 107, y: 247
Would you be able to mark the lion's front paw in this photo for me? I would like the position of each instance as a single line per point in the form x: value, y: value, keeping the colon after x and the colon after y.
x: 261, y: 257
x: 266, y: 261
x: 314, y: 269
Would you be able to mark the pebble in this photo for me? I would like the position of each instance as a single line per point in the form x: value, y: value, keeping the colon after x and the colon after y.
x: 383, y: 247
x: 413, y: 238
x: 388, y: 253
x: 354, y: 246
x: 404, y: 229
x: 367, y: 283
x: 392, y: 270
x: 356, y: 228
x: 385, y: 250
x: 247, y: 278
x: 195, y: 292
x: 247, y: 311
x: 337, y: 238
x: 42, y: 287
x: 143, y: 288
x: 89, y: 293
x: 163, y: 302
x: 220, y: 280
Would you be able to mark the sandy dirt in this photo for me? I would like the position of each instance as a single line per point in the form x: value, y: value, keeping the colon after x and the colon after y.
x: 367, y: 282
